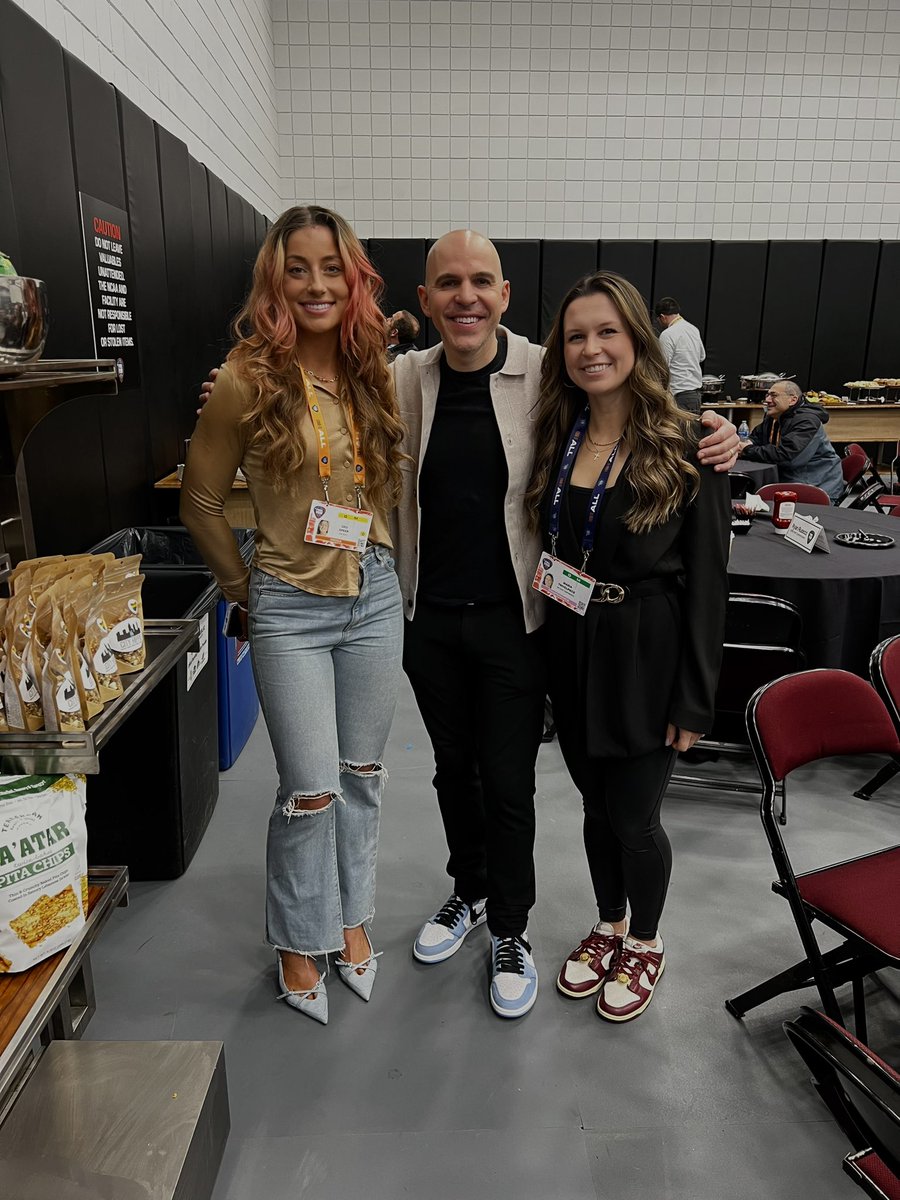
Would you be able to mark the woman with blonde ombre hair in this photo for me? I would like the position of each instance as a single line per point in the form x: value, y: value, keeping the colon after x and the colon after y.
x: 305, y: 407
x: 635, y: 535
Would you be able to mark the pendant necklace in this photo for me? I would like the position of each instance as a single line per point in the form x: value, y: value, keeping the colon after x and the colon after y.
x: 601, y: 446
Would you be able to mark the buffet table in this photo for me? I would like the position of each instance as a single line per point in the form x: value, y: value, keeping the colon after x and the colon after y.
x: 846, y: 422
x: 849, y: 599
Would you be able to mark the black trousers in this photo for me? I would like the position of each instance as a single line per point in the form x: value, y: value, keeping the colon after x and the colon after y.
x: 479, y: 681
x: 627, y: 849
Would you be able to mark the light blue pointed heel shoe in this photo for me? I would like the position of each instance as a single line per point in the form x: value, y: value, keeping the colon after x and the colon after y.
x: 349, y: 972
x: 317, y: 1007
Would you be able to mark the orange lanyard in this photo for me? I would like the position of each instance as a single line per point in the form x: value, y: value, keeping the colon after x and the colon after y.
x: 324, y: 458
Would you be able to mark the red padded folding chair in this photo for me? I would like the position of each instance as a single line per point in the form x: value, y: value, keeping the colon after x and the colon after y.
x: 807, y: 493
x: 797, y: 720
x: 863, y: 1094
x: 884, y: 671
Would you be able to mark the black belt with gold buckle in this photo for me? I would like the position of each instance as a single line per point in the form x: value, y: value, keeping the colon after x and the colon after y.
x: 615, y: 593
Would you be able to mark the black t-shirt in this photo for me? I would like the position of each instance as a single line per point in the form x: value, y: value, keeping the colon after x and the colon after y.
x: 464, y: 551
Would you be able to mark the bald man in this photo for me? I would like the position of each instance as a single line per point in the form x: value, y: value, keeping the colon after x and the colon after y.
x: 465, y: 559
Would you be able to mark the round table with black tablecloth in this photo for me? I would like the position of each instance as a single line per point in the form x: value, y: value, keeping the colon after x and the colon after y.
x: 759, y: 473
x: 849, y: 599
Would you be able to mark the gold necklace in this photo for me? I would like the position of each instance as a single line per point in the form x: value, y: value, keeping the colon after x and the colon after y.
x: 601, y: 445
x: 320, y: 378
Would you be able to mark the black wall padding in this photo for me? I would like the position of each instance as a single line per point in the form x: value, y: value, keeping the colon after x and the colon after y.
x: 240, y: 271
x: 95, y: 134
x: 401, y: 263
x: 734, y: 314
x: 789, y: 309
x: 97, y: 149
x: 251, y: 245
x: 62, y: 459
x: 883, y: 358
x: 682, y: 271
x: 151, y: 285
x: 562, y: 265
x: 260, y: 227
x: 203, y: 352
x: 521, y: 262
x: 225, y: 302
x: 9, y: 233
x: 634, y: 260
x: 845, y: 309
x: 35, y: 115
x: 175, y: 186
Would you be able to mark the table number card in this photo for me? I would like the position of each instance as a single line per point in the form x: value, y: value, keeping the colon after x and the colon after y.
x: 807, y: 533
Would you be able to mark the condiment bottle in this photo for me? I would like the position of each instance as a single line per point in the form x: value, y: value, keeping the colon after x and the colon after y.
x: 783, y: 506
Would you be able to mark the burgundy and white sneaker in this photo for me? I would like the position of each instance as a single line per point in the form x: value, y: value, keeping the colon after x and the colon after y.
x: 629, y: 987
x: 585, y: 969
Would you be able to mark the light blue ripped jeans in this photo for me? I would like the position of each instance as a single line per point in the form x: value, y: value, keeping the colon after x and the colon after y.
x: 327, y: 670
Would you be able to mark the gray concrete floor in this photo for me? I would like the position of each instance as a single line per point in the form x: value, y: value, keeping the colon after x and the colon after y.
x: 424, y: 1093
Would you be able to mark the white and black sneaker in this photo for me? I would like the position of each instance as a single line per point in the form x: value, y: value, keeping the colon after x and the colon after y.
x: 442, y: 935
x: 514, y: 978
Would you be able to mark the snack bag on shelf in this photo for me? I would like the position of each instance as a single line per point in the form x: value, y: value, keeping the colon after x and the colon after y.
x: 23, y: 696
x: 29, y: 564
x: 124, y: 615
x: 122, y: 568
x: 43, y: 866
x: 59, y: 692
x: 97, y: 648
x: 88, y: 691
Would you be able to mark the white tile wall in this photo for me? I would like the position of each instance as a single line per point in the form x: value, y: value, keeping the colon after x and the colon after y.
x: 534, y: 118
x: 203, y: 69
x: 539, y: 118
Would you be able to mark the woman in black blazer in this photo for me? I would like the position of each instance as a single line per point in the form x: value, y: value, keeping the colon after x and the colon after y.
x: 621, y: 498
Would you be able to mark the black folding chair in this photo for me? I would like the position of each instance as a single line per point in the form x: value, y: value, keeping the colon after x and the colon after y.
x: 740, y: 485
x: 884, y: 671
x: 762, y: 643
x: 863, y: 1094
x: 798, y: 720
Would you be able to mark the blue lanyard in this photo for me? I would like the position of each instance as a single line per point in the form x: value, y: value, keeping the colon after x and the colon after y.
x: 565, y: 470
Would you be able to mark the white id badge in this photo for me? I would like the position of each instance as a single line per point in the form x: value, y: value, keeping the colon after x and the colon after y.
x: 566, y: 585
x: 338, y: 527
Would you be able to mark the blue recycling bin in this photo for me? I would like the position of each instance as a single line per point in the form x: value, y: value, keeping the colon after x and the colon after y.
x: 170, y: 548
x: 238, y: 701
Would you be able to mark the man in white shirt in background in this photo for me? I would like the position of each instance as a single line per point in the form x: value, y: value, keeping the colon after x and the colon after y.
x: 683, y: 349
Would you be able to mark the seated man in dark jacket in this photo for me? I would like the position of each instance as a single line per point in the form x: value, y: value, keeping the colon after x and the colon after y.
x: 791, y: 436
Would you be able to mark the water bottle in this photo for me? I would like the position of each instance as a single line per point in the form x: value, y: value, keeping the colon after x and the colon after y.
x: 743, y: 431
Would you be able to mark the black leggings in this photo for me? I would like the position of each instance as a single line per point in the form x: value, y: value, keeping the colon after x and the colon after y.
x: 628, y: 853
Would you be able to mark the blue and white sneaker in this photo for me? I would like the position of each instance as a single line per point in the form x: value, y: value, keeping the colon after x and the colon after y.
x: 514, y: 980
x: 442, y: 935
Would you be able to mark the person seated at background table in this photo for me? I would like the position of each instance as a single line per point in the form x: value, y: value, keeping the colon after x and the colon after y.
x: 791, y: 436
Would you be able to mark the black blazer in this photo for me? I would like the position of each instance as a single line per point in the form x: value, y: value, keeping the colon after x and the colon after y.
x: 632, y: 668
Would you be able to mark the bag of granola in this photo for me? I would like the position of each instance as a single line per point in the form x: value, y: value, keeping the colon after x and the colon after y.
x: 43, y: 866
x: 23, y: 697
x: 97, y: 648
x: 88, y: 691
x: 29, y: 564
x: 124, y: 616
x: 59, y: 692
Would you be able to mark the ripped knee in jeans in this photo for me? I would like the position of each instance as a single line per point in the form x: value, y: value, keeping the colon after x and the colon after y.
x: 303, y: 804
x: 375, y: 768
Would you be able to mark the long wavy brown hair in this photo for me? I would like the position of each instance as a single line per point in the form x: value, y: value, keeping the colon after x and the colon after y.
x: 266, y: 357
x: 657, y: 433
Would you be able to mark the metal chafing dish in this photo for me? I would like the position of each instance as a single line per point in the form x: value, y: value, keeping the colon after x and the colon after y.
x: 24, y: 319
x: 761, y: 382
x: 712, y: 385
